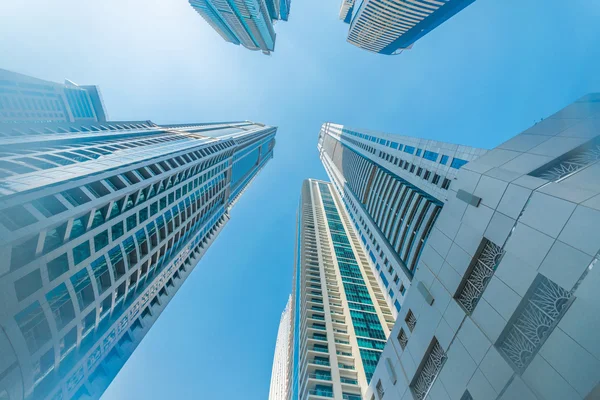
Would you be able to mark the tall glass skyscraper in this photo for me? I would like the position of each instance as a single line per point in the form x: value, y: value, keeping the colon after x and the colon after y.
x: 505, y: 302
x: 100, y: 224
x: 27, y: 99
x: 280, y: 374
x: 387, y: 26
x: 245, y: 22
x: 394, y: 188
x: 341, y: 320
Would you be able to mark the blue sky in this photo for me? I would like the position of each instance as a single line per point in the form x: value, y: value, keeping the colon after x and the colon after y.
x: 482, y: 77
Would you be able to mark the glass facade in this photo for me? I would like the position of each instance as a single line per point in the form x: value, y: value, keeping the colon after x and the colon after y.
x: 341, y: 319
x: 99, y: 236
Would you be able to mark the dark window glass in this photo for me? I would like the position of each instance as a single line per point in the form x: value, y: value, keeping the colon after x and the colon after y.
x: 49, y: 206
x: 75, y: 196
x: 79, y: 226
x: 131, y: 222
x: 101, y: 240
x: 58, y: 266
x: 28, y: 284
x: 81, y: 252
x: 117, y: 230
x: 16, y: 217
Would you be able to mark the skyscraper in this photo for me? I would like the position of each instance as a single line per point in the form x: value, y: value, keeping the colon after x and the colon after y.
x: 394, y: 188
x: 100, y: 224
x: 341, y: 318
x: 27, y: 99
x: 386, y: 26
x: 245, y: 22
x: 281, y: 361
x: 507, y: 303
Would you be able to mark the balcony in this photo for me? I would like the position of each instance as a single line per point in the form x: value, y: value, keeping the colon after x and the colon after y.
x: 320, y: 362
x: 349, y: 396
x: 349, y: 381
x: 344, y: 366
x: 321, y: 393
x: 322, y: 377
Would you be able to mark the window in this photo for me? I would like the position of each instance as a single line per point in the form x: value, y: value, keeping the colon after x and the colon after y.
x: 444, y: 160
x: 397, y: 305
x: 411, y: 320
x: 446, y: 184
x: 54, y: 238
x: 61, y: 305
x: 409, y: 149
x: 419, y: 152
x: 98, y: 189
x: 478, y: 274
x: 81, y: 252
x: 427, y: 175
x: 117, y: 230
x: 100, y: 269
x: 101, y: 240
x: 49, y: 206
x: 75, y: 196
x: 419, y: 171
x: 28, y: 284
x: 79, y: 226
x: 58, y: 266
x: 402, y: 338
x: 34, y: 326
x: 83, y: 288
x: 23, y: 253
x: 16, y: 217
x: 380, y: 391
x: 534, y: 320
x: 457, y: 163
x: 430, y: 155
x: 88, y: 323
x: 68, y: 342
x: 131, y: 222
x: 436, y: 179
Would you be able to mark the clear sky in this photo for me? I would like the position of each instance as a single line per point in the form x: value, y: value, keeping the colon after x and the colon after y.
x: 482, y: 77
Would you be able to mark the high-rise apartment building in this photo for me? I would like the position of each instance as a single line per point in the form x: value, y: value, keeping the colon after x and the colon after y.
x: 341, y: 318
x: 27, y: 99
x: 389, y: 26
x: 281, y: 361
x: 506, y: 304
x: 245, y: 22
x: 100, y: 224
x: 394, y: 188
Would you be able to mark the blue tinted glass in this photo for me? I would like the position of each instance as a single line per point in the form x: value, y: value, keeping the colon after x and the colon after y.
x: 430, y: 155
x: 382, y: 141
x: 393, y: 145
x: 418, y: 152
x: 457, y: 163
x: 397, y: 305
x: 409, y: 149
x: 444, y: 160
x: 383, y: 278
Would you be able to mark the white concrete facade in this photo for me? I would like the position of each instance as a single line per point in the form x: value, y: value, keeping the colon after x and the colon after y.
x: 281, y: 361
x: 338, y: 334
x: 393, y: 187
x: 505, y: 301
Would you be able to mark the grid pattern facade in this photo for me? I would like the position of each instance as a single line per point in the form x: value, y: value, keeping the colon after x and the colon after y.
x: 385, y: 26
x: 506, y: 288
x: 394, y: 188
x: 99, y: 226
x: 281, y: 360
x: 27, y: 99
x: 341, y: 317
x: 245, y: 22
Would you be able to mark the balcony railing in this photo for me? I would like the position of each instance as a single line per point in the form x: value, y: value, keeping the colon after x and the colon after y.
x: 320, y: 376
x: 322, y: 393
x: 349, y: 380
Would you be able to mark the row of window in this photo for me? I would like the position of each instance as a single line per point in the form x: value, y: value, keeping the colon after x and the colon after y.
x: 426, y: 154
x: 18, y: 217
